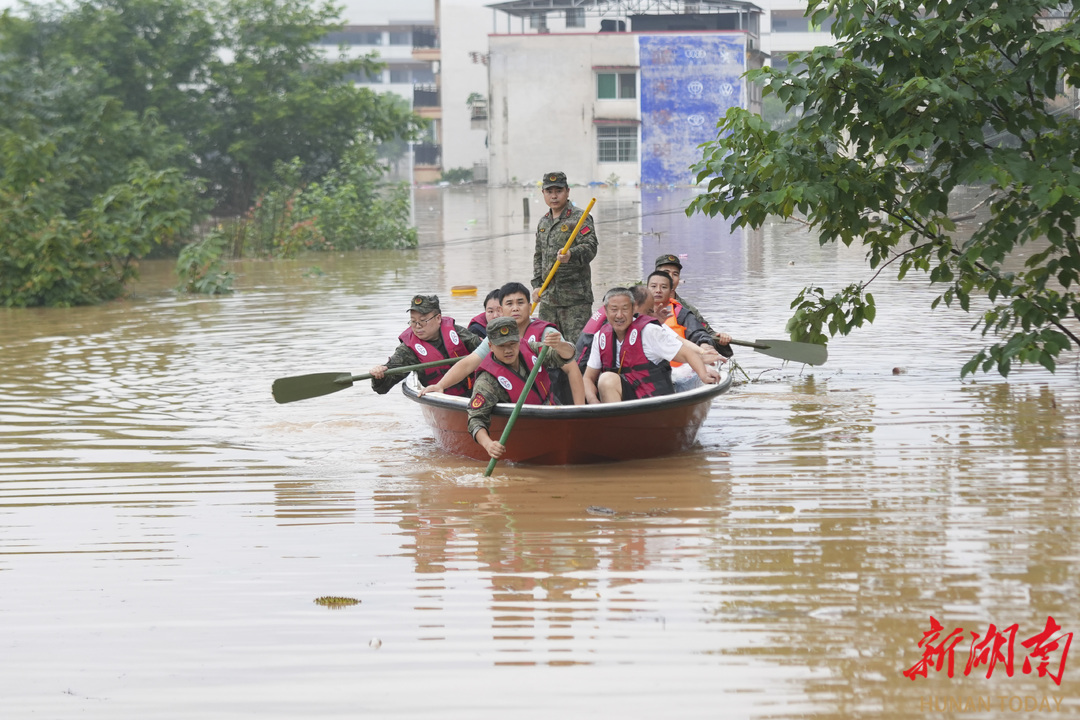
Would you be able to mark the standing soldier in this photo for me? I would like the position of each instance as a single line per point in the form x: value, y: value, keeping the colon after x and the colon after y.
x: 567, y: 302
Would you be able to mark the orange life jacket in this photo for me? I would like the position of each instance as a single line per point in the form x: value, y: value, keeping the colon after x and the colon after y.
x: 673, y: 323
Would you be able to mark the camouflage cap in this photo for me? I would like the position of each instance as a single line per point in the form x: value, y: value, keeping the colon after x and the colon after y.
x: 668, y: 259
x: 425, y: 304
x: 503, y: 330
x: 555, y: 179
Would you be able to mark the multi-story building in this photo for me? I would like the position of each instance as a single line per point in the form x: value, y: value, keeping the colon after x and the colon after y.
x: 600, y: 81
x: 409, y: 51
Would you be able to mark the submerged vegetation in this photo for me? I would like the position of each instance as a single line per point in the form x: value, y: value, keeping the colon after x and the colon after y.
x: 125, y: 124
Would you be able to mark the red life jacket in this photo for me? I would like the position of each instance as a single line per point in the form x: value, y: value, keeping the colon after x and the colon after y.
x: 478, y: 325
x: 646, y: 377
x: 426, y: 352
x: 584, y: 344
x: 535, y: 331
x: 539, y: 393
x: 596, y: 320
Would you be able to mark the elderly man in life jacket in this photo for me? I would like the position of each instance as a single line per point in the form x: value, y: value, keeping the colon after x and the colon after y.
x: 429, y: 336
x: 644, y: 304
x: 515, y: 304
x: 502, y: 376
x: 631, y: 355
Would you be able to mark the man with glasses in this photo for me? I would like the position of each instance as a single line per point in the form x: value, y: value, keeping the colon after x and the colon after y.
x: 429, y: 336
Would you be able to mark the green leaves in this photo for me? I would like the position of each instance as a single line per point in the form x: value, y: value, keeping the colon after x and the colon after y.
x: 84, y: 189
x: 915, y: 101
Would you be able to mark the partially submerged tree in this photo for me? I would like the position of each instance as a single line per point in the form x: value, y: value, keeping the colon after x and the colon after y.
x: 916, y: 100
x: 114, y: 114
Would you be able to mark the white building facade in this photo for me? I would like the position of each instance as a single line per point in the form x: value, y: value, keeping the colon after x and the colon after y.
x: 627, y: 101
x: 567, y: 79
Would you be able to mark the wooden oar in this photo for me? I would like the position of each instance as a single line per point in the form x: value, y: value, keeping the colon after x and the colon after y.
x: 302, y: 387
x: 517, y: 408
x: 808, y: 353
x: 573, y: 236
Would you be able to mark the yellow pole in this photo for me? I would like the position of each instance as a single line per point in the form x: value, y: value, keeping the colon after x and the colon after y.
x: 573, y: 236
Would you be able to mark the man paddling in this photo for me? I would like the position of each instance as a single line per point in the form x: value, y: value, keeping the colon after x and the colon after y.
x: 514, y: 300
x: 631, y: 355
x: 429, y: 336
x: 673, y: 267
x: 502, y: 377
x: 567, y: 302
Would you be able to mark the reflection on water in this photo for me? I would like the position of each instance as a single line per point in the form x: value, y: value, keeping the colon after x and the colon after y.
x: 165, y: 527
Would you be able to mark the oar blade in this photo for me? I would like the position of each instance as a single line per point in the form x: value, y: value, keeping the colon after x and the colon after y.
x: 799, y: 352
x: 302, y: 387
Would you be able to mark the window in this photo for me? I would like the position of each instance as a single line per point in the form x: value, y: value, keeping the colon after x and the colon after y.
x: 401, y: 38
x: 575, y: 17
x: 400, y: 76
x: 786, y: 21
x: 616, y: 144
x: 612, y: 86
x: 538, y: 21
x: 352, y: 37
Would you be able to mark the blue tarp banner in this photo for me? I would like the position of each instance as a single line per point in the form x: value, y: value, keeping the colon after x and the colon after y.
x: 688, y: 82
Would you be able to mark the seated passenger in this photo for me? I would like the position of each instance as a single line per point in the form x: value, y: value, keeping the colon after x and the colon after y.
x: 514, y: 302
x: 630, y: 356
x: 429, y: 336
x: 673, y: 267
x: 584, y: 342
x: 502, y: 378
x: 673, y: 313
x: 478, y: 325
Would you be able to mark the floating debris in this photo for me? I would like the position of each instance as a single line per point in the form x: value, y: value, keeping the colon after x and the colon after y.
x: 599, y: 510
x: 375, y: 643
x: 332, y: 601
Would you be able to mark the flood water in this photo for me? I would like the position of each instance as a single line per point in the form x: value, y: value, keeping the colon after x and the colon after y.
x: 165, y: 527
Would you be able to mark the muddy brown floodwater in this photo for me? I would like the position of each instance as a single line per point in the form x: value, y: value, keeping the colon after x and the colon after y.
x: 165, y: 528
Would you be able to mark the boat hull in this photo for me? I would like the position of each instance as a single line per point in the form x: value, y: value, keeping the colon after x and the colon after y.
x: 545, y: 435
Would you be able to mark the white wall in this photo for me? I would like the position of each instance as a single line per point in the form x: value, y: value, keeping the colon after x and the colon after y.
x: 464, y: 27
x: 543, y: 103
x: 371, y: 12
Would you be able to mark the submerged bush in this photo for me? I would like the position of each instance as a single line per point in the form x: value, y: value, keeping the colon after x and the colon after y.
x: 201, y: 265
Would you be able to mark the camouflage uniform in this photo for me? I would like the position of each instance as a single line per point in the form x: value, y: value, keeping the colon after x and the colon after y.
x: 487, y: 391
x: 568, y: 299
x: 724, y: 350
x: 404, y: 355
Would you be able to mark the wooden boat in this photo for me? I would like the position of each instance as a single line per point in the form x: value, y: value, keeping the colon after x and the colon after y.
x: 576, y: 435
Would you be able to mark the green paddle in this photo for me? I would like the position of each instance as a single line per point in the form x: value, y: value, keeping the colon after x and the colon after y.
x: 517, y: 408
x: 302, y: 387
x: 808, y: 353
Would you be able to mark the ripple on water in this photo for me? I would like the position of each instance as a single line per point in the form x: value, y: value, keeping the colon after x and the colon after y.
x: 164, y: 525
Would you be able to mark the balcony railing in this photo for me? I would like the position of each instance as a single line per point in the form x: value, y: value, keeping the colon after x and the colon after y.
x: 427, y: 154
x: 425, y: 38
x: 478, y: 110
x: 425, y: 96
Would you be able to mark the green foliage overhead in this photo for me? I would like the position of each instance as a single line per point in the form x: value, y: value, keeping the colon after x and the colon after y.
x: 916, y: 100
